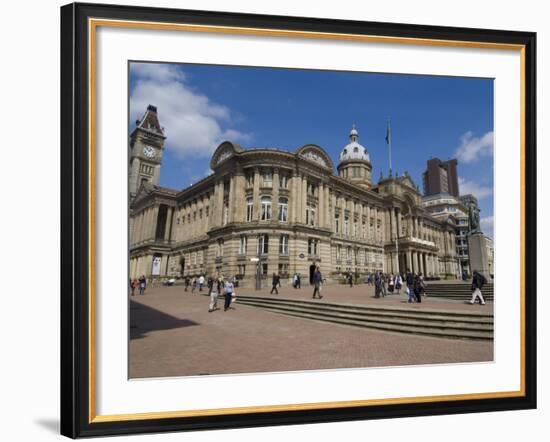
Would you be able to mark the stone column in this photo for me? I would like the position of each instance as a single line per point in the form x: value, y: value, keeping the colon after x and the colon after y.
x: 275, y: 195
x: 415, y: 262
x: 293, y: 203
x: 256, y: 195
x: 398, y: 221
x: 168, y: 224
x: 333, y: 220
x: 304, y: 200
x: 231, y: 202
x: 321, y: 208
x: 239, y: 203
x: 154, y: 222
x: 328, y: 222
x: 409, y: 260
x: 146, y: 224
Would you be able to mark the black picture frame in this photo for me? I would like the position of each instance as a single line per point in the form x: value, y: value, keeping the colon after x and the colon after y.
x: 75, y: 218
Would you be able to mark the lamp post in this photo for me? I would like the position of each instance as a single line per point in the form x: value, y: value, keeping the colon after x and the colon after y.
x: 258, y: 272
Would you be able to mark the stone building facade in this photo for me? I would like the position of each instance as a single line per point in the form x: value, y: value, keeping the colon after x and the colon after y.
x: 266, y: 210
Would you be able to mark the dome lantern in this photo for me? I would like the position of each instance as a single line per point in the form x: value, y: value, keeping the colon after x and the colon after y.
x: 354, y: 163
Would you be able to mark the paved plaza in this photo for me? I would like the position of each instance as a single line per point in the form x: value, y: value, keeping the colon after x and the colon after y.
x: 173, y: 334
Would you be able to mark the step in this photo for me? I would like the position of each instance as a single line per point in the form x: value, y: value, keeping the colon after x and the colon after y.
x: 370, y: 308
x: 393, y: 328
x: 454, y: 328
x: 405, y: 314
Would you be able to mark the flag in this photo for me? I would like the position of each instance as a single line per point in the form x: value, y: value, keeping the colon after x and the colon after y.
x: 388, y: 134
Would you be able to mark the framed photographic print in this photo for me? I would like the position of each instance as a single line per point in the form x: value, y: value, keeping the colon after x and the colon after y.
x: 274, y: 220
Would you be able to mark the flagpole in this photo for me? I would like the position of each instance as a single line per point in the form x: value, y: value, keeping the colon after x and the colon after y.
x: 388, y: 138
x: 389, y: 143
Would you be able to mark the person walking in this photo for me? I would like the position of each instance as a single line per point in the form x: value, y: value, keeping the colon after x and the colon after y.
x: 398, y: 283
x: 317, y: 281
x: 295, y: 281
x: 418, y: 287
x: 391, y: 283
x: 409, y: 279
x: 384, y: 279
x: 228, y: 289
x: 133, y: 285
x: 187, y: 281
x: 299, y: 281
x: 378, y: 285
x: 478, y: 281
x: 275, y: 281
x: 142, y: 284
x: 201, y: 282
x: 350, y: 279
x: 214, y: 288
x: 193, y: 285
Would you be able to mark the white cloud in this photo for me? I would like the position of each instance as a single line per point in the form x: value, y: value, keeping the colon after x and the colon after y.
x: 472, y: 148
x: 487, y: 226
x: 478, y: 190
x: 194, y: 124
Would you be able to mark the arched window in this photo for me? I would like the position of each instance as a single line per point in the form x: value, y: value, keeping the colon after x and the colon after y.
x: 356, y: 149
x: 266, y: 208
x: 283, y: 210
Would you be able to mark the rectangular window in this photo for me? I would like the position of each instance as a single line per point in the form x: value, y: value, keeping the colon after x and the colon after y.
x: 313, y: 246
x: 337, y: 223
x: 283, y: 269
x: 268, y: 179
x: 283, y: 210
x: 264, y: 269
x: 283, y: 181
x: 249, y: 209
x: 266, y: 208
x: 263, y: 244
x: 346, y: 225
x: 338, y: 252
x: 242, y: 245
x: 283, y: 245
x: 220, y: 247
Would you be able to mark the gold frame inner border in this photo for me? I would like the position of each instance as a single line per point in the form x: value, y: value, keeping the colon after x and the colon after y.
x: 93, y: 24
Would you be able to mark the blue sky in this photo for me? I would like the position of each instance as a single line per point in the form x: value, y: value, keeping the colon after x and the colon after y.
x: 202, y: 105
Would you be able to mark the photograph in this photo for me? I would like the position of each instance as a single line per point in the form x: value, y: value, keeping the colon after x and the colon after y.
x: 301, y: 219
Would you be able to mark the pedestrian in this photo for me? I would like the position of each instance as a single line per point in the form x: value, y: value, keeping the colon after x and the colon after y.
x: 275, y: 281
x: 391, y: 283
x: 295, y: 281
x: 398, y: 283
x: 409, y: 278
x: 377, y: 285
x: 193, y: 285
x: 478, y: 281
x: 213, y: 291
x: 384, y: 278
x: 350, y: 279
x: 142, y: 283
x: 133, y: 285
x: 423, y: 284
x: 228, y: 290
x: 187, y: 281
x: 418, y: 287
x: 317, y: 281
x: 299, y: 281
x: 201, y: 282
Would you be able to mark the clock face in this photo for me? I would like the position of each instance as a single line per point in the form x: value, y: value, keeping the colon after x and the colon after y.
x: 149, y: 152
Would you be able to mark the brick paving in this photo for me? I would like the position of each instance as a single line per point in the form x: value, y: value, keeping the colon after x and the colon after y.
x: 172, y: 334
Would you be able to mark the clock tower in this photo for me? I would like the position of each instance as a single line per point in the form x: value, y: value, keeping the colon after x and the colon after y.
x: 146, y: 148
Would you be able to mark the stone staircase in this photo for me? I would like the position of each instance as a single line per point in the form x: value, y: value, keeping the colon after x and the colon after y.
x: 457, y: 290
x: 457, y: 325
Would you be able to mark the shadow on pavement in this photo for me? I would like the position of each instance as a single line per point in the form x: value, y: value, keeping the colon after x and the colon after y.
x: 144, y: 319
